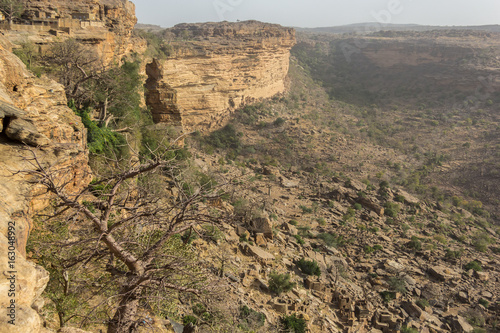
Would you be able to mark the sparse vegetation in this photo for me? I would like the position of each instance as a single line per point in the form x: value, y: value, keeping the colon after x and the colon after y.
x: 308, y: 267
x: 280, y: 283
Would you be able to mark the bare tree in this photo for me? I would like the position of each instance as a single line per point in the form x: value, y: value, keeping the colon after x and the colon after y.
x: 133, y: 219
x: 74, y: 64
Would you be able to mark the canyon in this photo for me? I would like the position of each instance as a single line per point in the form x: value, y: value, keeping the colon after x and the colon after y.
x: 302, y: 177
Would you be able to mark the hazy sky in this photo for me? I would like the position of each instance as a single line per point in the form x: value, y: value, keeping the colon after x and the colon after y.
x: 320, y: 13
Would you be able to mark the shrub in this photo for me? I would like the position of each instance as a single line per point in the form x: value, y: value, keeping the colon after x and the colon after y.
x: 226, y: 137
x: 349, y: 215
x: 415, y: 243
x: 481, y: 242
x: 251, y: 319
x: 293, y: 222
x: 189, y: 319
x: 378, y: 247
x: 405, y: 329
x: 474, y: 265
x: 368, y: 249
x: 279, y: 122
x: 484, y: 302
x: 441, y: 239
x: 279, y: 283
x: 399, y: 198
x: 306, y: 210
x: 331, y: 240
x: 450, y: 254
x: 423, y: 303
x: 392, y: 209
x: 397, y: 284
x: 309, y: 267
x: 294, y: 324
x: 357, y: 206
x: 299, y: 239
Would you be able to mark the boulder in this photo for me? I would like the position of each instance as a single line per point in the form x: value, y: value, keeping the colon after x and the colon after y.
x: 459, y: 324
x: 256, y: 252
x: 262, y: 225
x: 443, y: 273
x: 24, y: 131
x: 260, y: 240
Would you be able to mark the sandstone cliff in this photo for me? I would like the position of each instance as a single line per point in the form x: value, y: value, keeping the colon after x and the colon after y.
x: 105, y: 24
x: 34, y: 121
x: 215, y: 68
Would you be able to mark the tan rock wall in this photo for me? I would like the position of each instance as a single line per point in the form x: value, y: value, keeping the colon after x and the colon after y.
x: 222, y: 67
x: 42, y: 104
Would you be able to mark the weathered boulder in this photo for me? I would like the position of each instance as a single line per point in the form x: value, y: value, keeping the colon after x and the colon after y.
x: 262, y: 225
x: 459, y: 324
x: 256, y: 252
x: 443, y: 273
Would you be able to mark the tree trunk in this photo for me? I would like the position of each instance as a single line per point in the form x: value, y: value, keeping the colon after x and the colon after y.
x: 125, y: 318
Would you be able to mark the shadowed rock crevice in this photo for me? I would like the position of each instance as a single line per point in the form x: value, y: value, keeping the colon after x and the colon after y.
x: 161, y: 98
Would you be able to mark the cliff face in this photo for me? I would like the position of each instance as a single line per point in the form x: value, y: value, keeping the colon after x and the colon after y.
x: 218, y: 68
x: 105, y: 24
x: 34, y: 121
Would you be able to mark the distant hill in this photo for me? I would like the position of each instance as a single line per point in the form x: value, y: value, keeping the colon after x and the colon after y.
x: 148, y: 27
x: 374, y: 27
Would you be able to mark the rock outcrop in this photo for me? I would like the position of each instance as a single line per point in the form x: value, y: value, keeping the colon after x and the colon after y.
x: 215, y: 68
x: 104, y: 24
x: 35, y: 122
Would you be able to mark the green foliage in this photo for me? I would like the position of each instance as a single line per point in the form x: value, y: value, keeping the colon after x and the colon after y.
x: 306, y: 210
x: 279, y: 283
x: 279, y: 122
x: 484, y: 302
x: 293, y: 222
x: 481, y: 242
x: 189, y: 319
x: 332, y: 240
x: 101, y: 140
x: 397, y: 284
x: 250, y: 320
x: 308, y: 267
x: 157, y: 46
x: 299, y: 239
x: 225, y: 138
x: 422, y: 303
x: 392, y: 209
x: 387, y: 296
x: 415, y: 243
x: 474, y: 265
x: 213, y: 232
x: 450, y: 254
x: 357, y: 206
x: 294, y: 324
x: 368, y: 249
x: 405, y: 329
x: 351, y: 213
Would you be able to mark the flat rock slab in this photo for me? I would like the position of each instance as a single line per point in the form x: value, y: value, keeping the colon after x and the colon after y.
x: 256, y: 252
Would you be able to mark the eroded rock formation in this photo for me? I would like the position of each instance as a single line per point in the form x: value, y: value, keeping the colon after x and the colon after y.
x: 105, y: 24
x: 35, y: 122
x: 214, y: 68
